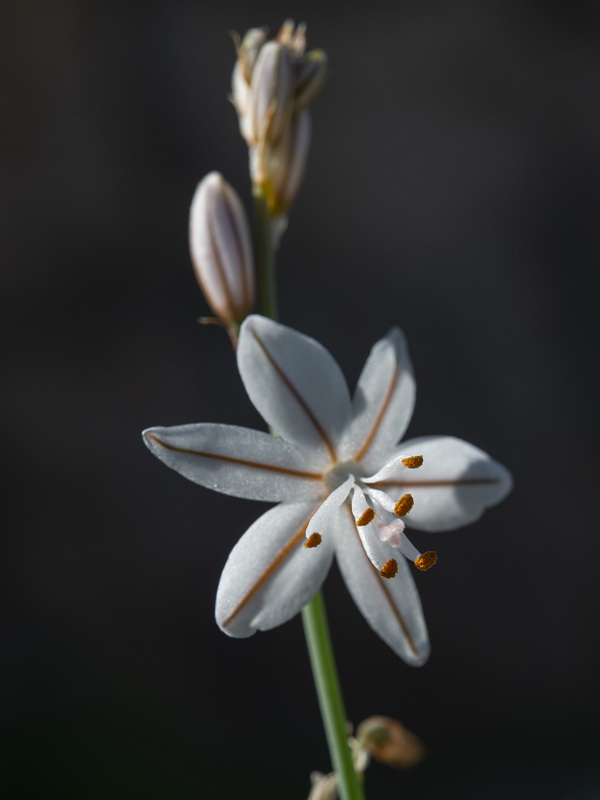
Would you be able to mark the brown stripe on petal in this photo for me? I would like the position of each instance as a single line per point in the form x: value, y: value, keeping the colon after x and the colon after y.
x: 296, y: 473
x: 410, y: 484
x: 228, y: 312
x: 246, y: 304
x: 301, y: 401
x: 379, y: 418
x: 277, y: 561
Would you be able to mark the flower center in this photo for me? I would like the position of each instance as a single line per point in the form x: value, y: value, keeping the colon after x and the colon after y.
x: 377, y: 516
x: 340, y: 473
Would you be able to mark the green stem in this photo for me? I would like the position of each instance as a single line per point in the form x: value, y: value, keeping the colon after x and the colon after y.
x: 314, y: 617
x: 264, y: 257
x: 329, y: 693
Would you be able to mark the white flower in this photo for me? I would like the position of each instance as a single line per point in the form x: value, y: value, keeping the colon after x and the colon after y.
x: 336, y: 464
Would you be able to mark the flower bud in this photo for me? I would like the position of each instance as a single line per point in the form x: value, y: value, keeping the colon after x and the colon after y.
x: 310, y: 78
x: 221, y: 249
x: 240, y: 94
x: 388, y: 741
x: 271, y: 98
x: 273, y: 83
x: 249, y: 48
x: 287, y: 164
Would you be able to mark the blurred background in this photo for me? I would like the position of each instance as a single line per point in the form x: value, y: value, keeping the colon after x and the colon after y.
x: 452, y: 190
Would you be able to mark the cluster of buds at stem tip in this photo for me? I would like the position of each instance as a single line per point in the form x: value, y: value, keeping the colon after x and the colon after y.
x: 273, y: 84
x: 221, y: 251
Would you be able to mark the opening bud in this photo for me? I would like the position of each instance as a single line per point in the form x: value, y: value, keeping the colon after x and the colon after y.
x: 273, y: 82
x: 221, y: 249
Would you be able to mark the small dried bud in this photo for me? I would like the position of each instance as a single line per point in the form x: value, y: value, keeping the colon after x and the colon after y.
x: 388, y: 741
x: 221, y: 249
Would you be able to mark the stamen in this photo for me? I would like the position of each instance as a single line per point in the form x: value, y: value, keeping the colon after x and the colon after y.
x: 389, y: 569
x: 426, y: 560
x: 314, y: 540
x: 367, y: 516
x: 412, y: 462
x: 404, y: 505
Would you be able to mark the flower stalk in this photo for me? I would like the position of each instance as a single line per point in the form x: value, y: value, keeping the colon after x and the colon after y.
x: 331, y: 703
x: 337, y: 468
x: 314, y: 618
x: 264, y: 255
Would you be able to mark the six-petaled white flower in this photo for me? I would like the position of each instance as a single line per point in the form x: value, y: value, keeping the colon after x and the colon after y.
x: 343, y: 484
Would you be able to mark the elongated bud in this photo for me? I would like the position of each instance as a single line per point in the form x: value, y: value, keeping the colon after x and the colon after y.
x: 221, y: 249
x: 271, y: 100
x: 287, y: 164
x: 310, y: 78
x: 248, y: 49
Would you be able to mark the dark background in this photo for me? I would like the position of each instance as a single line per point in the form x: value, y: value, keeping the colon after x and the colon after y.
x: 453, y: 190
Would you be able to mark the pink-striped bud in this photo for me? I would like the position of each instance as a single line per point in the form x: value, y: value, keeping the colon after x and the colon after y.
x: 221, y: 249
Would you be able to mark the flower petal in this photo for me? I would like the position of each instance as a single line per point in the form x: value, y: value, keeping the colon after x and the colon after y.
x: 383, y: 402
x: 236, y: 461
x: 295, y: 385
x: 391, y: 607
x: 453, y: 487
x: 269, y: 575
